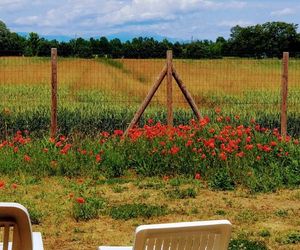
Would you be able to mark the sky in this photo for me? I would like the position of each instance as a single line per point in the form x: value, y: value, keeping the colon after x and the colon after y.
x: 176, y: 19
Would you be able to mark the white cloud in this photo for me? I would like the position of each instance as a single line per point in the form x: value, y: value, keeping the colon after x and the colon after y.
x: 147, y: 10
x: 175, y: 18
x: 283, y: 12
x: 101, y: 13
x: 8, y: 5
x: 232, y: 23
x: 28, y: 20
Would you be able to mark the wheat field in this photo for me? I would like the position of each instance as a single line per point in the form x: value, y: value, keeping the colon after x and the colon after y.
x: 124, y: 82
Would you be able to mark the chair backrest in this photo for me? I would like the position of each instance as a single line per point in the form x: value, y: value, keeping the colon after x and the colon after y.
x: 16, y: 226
x: 206, y: 235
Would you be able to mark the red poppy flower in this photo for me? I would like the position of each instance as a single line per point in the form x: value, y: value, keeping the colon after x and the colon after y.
x: 2, y: 184
x: 211, y: 131
x: 150, y: 121
x: 105, y: 134
x: 240, y: 154
x: 249, y: 147
x: 14, y: 186
x: 118, y: 132
x: 98, y: 158
x: 266, y: 148
x: 62, y: 138
x: 174, y: 150
x: 51, y: 140
x: 223, y: 156
x: 218, y: 110
x: 58, y: 144
x: 220, y: 119
x: 189, y: 143
x: 166, y: 178
x: 197, y: 176
x: 27, y: 158
x: 80, y: 180
x: 80, y: 200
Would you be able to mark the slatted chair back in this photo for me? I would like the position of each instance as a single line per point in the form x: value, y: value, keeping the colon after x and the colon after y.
x: 202, y: 235
x: 15, y: 227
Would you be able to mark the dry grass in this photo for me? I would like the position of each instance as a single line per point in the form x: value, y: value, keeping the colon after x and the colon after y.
x: 131, y: 79
x: 249, y: 214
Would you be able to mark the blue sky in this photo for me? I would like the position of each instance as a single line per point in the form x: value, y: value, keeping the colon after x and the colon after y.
x: 178, y: 19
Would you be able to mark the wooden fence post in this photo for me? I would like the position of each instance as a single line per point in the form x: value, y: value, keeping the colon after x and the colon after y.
x: 170, y: 117
x: 53, y: 126
x: 284, y: 93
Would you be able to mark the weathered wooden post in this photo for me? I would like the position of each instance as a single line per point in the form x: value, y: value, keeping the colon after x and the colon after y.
x: 284, y: 93
x: 53, y: 126
x: 169, y: 89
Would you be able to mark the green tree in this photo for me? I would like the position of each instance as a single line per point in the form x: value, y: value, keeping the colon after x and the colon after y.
x: 4, y: 37
x: 104, y: 46
x: 116, y: 48
x: 32, y: 44
x: 279, y: 37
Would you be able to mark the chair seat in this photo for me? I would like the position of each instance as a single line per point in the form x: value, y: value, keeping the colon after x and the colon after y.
x: 9, y: 246
x: 114, y: 248
x: 37, y: 242
x: 213, y: 234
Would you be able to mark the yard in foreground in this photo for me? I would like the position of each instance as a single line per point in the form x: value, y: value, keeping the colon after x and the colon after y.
x: 60, y: 208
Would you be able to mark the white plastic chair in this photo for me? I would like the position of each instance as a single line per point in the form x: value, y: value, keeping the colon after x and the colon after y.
x: 15, y: 226
x: 202, y: 235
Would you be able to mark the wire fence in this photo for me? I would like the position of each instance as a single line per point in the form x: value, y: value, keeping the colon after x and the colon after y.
x: 231, y: 83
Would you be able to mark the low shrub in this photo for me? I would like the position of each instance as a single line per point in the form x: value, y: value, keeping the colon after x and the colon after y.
x: 290, y: 238
x: 181, y: 193
x: 221, y: 180
x: 244, y: 244
x: 87, y: 208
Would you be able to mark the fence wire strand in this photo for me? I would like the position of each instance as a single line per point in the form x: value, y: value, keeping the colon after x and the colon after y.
x: 229, y: 83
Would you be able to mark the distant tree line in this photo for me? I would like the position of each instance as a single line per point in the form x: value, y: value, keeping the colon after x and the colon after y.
x: 259, y: 41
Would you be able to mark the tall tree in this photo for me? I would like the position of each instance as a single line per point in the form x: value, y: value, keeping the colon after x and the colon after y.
x: 32, y: 44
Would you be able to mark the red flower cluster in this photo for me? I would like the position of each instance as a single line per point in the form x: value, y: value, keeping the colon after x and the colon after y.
x: 80, y: 200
